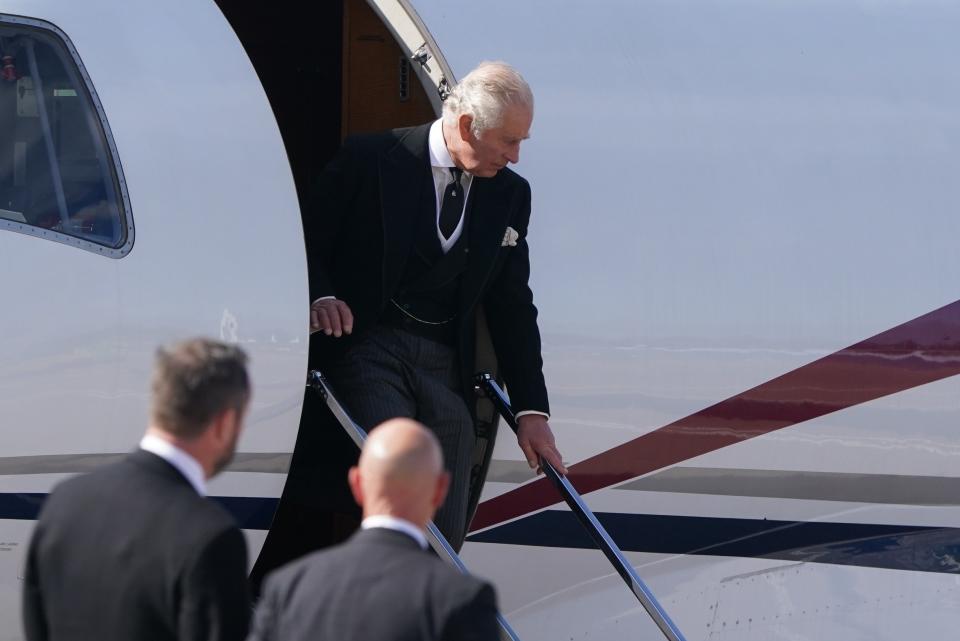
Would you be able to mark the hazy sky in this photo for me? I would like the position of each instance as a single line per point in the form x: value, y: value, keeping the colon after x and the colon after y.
x: 720, y: 171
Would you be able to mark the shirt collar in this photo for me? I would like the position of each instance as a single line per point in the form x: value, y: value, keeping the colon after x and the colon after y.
x: 399, y: 525
x: 188, y: 466
x: 439, y: 154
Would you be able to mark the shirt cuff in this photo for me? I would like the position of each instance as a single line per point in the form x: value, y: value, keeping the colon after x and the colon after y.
x: 323, y: 298
x: 525, y: 412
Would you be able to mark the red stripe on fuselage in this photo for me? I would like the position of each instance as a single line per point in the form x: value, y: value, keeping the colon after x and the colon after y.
x: 920, y: 351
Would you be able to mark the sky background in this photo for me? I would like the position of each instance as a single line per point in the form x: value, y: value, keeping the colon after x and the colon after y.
x: 770, y: 174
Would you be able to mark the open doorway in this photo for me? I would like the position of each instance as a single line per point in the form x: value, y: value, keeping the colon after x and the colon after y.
x: 329, y: 69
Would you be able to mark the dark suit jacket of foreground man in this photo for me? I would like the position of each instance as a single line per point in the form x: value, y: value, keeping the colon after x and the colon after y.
x: 131, y: 552
x: 371, y: 203
x: 381, y: 586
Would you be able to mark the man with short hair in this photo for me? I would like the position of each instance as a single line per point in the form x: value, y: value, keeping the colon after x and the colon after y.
x: 383, y: 583
x: 416, y: 230
x: 134, y: 550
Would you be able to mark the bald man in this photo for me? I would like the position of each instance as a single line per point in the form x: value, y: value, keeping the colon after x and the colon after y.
x: 383, y: 583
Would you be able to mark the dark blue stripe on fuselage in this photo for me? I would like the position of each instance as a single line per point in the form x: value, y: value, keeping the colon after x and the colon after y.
x: 251, y: 513
x: 899, y: 547
x: 21, y: 506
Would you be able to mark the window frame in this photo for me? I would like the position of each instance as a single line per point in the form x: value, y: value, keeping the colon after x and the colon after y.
x: 113, y: 160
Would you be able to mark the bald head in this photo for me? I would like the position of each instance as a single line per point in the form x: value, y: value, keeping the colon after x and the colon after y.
x: 400, y: 472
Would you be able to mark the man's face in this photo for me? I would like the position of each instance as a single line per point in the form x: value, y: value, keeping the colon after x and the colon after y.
x: 495, y: 148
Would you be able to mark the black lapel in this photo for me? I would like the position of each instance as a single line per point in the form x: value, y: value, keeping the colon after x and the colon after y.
x: 489, y: 216
x: 427, y: 244
x: 404, y: 173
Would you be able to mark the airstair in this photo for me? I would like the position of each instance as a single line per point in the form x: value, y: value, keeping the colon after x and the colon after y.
x: 487, y: 385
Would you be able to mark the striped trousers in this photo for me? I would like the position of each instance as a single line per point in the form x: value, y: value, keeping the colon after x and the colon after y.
x: 391, y: 373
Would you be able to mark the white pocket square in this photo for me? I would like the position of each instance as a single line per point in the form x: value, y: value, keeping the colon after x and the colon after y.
x: 510, y: 237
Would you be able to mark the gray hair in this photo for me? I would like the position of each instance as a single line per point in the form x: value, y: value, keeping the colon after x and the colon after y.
x: 484, y: 93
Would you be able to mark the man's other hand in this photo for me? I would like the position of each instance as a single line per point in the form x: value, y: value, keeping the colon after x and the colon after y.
x: 536, y: 440
x: 331, y: 316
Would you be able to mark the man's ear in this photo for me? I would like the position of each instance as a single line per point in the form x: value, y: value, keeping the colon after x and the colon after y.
x: 465, y: 127
x: 353, y: 479
x: 223, y: 424
x: 440, y: 491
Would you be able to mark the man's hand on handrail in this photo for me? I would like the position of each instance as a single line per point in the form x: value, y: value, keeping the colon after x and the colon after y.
x: 536, y: 440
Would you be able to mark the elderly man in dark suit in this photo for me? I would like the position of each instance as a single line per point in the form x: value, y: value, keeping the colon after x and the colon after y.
x: 383, y: 583
x: 417, y: 229
x: 134, y: 550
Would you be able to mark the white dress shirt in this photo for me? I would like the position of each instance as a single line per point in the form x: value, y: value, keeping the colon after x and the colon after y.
x: 388, y: 522
x: 441, y: 162
x: 185, y: 464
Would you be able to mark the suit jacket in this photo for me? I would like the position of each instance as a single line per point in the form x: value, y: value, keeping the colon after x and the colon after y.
x: 367, y: 212
x: 378, y: 585
x: 131, y: 551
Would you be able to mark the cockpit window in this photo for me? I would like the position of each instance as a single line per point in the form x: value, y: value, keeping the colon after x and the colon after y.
x: 58, y: 174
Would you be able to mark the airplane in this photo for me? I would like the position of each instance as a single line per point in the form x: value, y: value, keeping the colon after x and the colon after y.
x: 743, y: 258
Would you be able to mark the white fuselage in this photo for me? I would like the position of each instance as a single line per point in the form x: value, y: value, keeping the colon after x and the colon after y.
x: 218, y: 251
x: 722, y: 195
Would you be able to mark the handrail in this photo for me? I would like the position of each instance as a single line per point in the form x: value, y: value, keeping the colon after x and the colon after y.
x: 486, y: 383
x: 440, y: 545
